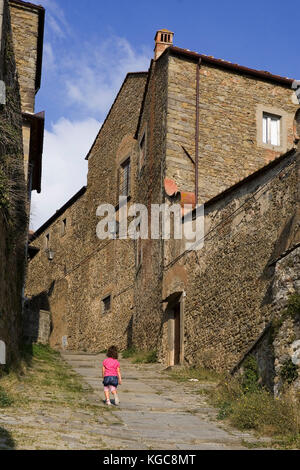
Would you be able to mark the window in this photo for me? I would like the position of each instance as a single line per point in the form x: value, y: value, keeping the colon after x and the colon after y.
x: 106, y: 304
x: 142, y: 151
x: 271, y: 129
x: 63, y: 227
x: 124, y: 178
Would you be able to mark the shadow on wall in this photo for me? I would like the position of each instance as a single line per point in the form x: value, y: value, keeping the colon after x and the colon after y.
x: 129, y: 331
x: 6, y: 440
x: 284, y: 241
x: 37, y: 324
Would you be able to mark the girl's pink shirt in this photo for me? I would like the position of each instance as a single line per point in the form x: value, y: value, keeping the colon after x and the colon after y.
x: 111, y: 365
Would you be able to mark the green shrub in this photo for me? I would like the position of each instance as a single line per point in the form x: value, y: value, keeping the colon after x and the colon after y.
x: 289, y: 372
x: 225, y: 410
x: 291, y: 311
x: 262, y: 412
x: 140, y: 357
x: 5, y: 400
x: 130, y: 352
x: 145, y: 357
x: 250, y: 376
x: 293, y: 306
x: 258, y: 410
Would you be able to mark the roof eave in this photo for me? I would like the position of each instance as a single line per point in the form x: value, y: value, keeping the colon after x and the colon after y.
x: 40, y: 39
x: 111, y: 108
x: 58, y: 213
x: 240, y: 69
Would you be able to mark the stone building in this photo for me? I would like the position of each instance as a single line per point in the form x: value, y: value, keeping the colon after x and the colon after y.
x: 21, y: 144
x: 195, y: 130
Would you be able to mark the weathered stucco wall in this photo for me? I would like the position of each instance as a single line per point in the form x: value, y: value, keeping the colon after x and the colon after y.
x: 228, y: 283
x: 13, y: 221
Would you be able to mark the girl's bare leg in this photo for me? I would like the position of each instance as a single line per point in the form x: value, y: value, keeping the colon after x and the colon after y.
x: 115, y: 394
x: 106, y: 393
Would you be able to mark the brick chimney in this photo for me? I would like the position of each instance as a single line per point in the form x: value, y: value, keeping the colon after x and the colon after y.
x: 163, y: 40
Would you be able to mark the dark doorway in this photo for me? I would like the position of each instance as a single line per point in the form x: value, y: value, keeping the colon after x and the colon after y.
x: 177, y: 334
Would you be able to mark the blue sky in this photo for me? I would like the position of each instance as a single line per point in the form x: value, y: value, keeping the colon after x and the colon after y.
x: 90, y: 45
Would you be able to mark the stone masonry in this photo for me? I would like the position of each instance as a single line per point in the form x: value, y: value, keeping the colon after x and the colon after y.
x: 25, y: 24
x: 124, y: 291
x: 20, y: 40
x: 12, y: 200
x: 76, y: 281
x: 228, y: 283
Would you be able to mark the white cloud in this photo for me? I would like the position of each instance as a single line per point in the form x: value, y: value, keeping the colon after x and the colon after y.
x: 55, y: 18
x: 95, y: 75
x: 64, y: 166
x: 80, y: 79
x: 49, y: 63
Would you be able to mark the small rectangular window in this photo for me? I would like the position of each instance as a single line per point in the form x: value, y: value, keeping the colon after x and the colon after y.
x: 63, y: 227
x: 47, y: 240
x: 106, y: 304
x: 124, y: 182
x: 142, y: 151
x: 271, y: 129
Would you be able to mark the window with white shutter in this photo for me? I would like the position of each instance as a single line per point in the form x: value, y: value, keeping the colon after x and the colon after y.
x: 271, y: 129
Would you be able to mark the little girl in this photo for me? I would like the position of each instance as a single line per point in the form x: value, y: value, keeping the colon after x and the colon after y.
x: 111, y: 375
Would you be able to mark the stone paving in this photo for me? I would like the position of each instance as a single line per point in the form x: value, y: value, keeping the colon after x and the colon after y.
x: 155, y: 412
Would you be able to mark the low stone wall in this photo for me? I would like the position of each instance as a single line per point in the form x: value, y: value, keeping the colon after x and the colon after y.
x: 37, y: 326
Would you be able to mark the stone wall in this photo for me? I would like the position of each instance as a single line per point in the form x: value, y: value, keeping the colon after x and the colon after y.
x: 84, y: 269
x: 147, y: 298
x: 227, y: 285
x: 25, y: 25
x: 230, y: 112
x: 37, y: 324
x: 230, y: 123
x: 225, y: 288
x: 13, y: 220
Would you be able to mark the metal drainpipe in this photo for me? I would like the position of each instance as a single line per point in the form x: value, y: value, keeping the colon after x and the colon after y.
x: 197, y: 130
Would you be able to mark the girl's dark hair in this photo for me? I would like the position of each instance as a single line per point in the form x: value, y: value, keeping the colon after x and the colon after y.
x: 112, y: 352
